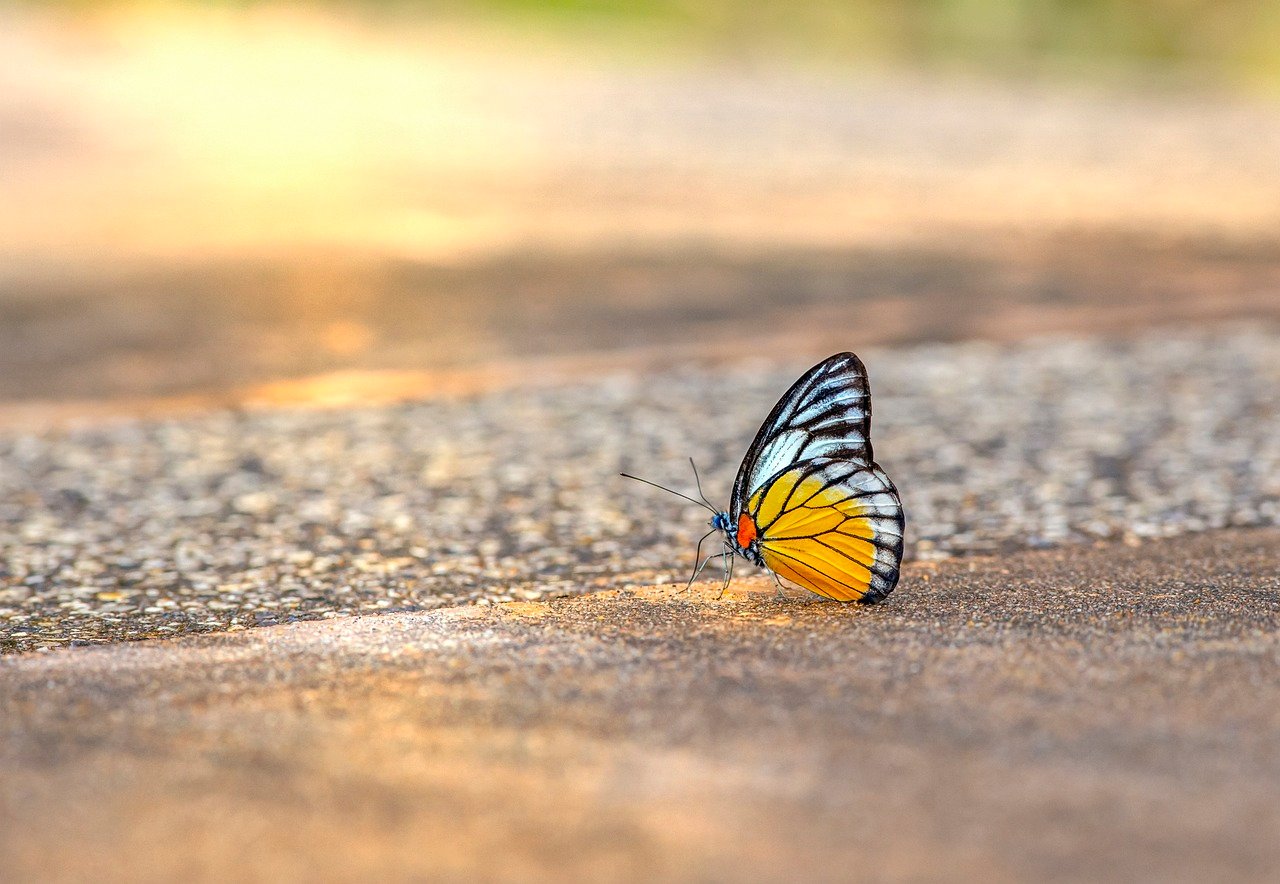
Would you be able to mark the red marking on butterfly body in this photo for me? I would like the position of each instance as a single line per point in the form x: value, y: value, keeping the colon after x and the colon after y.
x: 746, y: 530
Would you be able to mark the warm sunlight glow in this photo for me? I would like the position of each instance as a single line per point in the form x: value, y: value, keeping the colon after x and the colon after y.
x: 195, y: 133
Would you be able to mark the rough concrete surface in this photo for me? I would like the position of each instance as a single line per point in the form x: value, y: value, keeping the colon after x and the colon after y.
x: 1104, y: 713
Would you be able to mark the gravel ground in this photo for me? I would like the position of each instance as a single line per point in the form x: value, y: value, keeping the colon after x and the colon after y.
x: 232, y: 520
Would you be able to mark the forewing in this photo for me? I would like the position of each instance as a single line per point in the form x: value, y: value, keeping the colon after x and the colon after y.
x: 825, y: 414
x: 833, y: 527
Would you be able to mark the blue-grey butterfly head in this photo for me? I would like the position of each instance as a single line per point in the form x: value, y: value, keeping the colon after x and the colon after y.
x: 720, y: 521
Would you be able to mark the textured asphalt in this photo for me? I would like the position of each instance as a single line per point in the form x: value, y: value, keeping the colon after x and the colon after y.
x: 228, y: 520
x: 1104, y: 712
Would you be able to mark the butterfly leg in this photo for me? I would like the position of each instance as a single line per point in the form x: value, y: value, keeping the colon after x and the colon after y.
x: 697, y: 553
x: 698, y: 570
x: 728, y: 572
x: 777, y: 581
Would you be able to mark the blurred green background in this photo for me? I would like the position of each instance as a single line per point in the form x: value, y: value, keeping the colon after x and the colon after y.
x: 1236, y: 42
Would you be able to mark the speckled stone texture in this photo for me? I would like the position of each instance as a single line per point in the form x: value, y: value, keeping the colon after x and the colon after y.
x: 237, y: 519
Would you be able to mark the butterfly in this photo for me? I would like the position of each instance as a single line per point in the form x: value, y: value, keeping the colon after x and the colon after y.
x: 809, y: 503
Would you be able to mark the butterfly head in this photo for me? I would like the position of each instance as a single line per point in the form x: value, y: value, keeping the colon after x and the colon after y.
x: 720, y: 521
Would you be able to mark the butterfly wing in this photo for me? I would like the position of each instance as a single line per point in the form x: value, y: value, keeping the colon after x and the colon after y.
x: 825, y: 515
x: 834, y: 527
x: 827, y: 413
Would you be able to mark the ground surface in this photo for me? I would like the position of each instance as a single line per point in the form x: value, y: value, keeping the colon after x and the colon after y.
x: 159, y: 527
x: 1106, y: 713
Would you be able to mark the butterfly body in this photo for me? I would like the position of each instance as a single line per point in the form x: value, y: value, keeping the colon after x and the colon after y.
x: 741, y: 537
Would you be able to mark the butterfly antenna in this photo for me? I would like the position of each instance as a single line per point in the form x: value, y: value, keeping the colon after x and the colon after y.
x: 702, y: 503
x: 698, y: 480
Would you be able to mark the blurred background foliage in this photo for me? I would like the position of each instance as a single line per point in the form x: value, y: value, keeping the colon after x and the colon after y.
x: 1234, y: 42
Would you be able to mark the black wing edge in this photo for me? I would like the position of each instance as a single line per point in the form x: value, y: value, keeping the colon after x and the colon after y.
x: 876, y: 594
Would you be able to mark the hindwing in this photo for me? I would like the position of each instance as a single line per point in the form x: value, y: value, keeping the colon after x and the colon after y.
x: 834, y: 527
